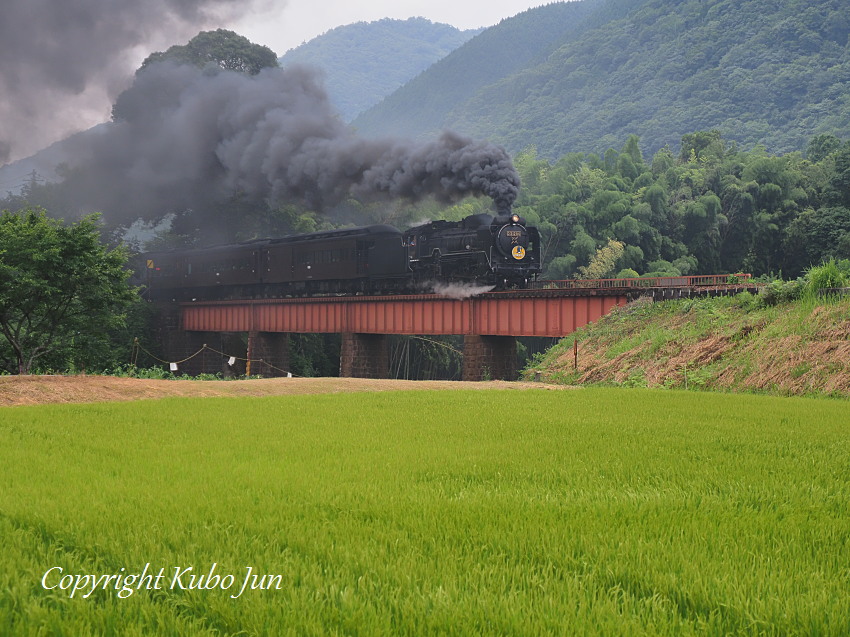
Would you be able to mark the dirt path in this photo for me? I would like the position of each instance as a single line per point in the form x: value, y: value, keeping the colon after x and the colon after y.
x: 34, y: 390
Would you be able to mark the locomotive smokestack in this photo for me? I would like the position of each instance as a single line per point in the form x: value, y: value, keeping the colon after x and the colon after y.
x: 190, y: 138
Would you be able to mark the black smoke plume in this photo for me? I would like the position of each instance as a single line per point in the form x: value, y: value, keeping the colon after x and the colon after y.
x: 64, y: 61
x: 186, y: 138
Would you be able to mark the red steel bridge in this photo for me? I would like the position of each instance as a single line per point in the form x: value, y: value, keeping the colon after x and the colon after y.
x: 489, y: 322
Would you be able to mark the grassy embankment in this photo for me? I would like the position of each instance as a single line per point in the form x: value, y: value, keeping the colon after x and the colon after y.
x: 598, y: 511
x: 729, y: 344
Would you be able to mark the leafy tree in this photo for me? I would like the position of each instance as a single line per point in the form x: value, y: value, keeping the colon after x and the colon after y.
x: 58, y: 284
x: 816, y: 236
x: 561, y: 267
x: 583, y: 247
x: 662, y: 161
x: 603, y: 261
x: 736, y: 237
x: 822, y: 146
x: 632, y: 150
x: 700, y: 144
x: 220, y: 49
x: 224, y: 49
x: 840, y: 182
x: 714, y: 209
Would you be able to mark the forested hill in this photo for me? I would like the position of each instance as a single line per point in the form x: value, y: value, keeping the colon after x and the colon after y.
x: 422, y: 105
x: 759, y: 71
x: 366, y: 61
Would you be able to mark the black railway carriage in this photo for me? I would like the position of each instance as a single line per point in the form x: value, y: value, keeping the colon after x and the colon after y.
x: 194, y: 273
x: 336, y: 261
x: 377, y: 259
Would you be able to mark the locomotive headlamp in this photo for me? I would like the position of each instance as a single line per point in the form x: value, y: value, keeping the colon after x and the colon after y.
x: 515, y: 218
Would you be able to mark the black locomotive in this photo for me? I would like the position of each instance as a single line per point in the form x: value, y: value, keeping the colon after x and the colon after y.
x: 499, y: 251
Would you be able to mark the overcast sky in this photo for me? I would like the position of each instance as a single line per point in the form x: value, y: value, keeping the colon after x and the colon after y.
x: 292, y: 22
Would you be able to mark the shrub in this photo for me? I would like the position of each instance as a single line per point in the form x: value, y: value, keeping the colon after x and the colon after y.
x: 777, y: 292
x: 823, y: 277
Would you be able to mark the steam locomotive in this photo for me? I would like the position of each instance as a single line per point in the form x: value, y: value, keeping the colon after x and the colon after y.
x: 497, y: 251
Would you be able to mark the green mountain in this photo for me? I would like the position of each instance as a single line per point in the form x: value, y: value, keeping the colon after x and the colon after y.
x: 759, y: 71
x: 366, y: 61
x: 423, y: 105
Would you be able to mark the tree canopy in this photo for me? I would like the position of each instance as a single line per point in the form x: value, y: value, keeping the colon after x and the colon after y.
x: 713, y: 208
x: 58, y: 285
x: 222, y: 48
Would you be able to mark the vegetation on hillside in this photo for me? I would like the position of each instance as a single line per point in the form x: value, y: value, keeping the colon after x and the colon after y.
x: 365, y: 61
x: 420, y: 108
x: 790, y: 339
x: 761, y: 72
x: 711, y: 208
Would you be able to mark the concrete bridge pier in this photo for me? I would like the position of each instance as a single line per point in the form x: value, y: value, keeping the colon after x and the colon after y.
x: 268, y: 353
x: 364, y: 356
x: 489, y: 358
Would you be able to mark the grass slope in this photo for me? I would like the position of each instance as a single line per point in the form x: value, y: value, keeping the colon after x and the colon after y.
x: 721, y: 343
x: 598, y: 511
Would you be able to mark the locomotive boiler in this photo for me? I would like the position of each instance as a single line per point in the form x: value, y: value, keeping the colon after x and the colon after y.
x: 499, y: 251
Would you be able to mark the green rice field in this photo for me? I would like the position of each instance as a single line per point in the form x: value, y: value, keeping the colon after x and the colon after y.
x: 595, y: 511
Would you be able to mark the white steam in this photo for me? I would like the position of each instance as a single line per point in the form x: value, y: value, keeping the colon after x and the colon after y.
x: 459, y: 291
